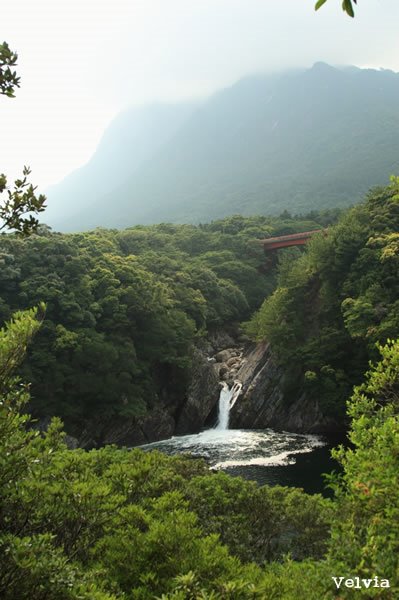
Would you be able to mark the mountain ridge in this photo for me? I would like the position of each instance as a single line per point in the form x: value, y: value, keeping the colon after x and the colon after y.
x: 297, y: 140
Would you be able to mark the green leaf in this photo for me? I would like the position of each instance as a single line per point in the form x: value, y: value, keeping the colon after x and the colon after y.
x: 319, y: 4
x: 348, y: 8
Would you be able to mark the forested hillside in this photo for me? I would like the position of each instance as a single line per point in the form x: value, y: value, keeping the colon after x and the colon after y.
x: 298, y: 140
x: 336, y: 302
x: 124, y: 308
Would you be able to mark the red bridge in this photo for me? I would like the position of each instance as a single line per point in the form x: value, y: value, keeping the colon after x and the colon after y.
x: 284, y: 241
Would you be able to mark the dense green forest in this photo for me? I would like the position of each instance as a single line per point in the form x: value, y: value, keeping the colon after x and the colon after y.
x: 114, y: 524
x: 124, y: 308
x: 336, y: 301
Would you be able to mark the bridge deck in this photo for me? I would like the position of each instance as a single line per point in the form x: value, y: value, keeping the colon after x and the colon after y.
x: 284, y: 241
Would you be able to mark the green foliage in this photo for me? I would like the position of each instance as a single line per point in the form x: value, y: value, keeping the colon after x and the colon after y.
x: 260, y: 524
x: 8, y: 78
x: 14, y: 339
x: 336, y: 301
x: 114, y: 524
x: 124, y: 308
x: 22, y: 200
x: 367, y: 495
x: 32, y: 565
x: 347, y: 6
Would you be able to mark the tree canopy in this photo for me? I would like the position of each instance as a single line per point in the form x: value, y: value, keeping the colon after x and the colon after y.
x: 124, y: 308
x: 336, y: 302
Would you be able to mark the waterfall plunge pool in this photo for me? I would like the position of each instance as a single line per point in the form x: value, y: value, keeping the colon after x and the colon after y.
x: 265, y: 456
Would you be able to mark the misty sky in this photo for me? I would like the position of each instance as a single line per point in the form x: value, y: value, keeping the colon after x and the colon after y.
x: 82, y: 61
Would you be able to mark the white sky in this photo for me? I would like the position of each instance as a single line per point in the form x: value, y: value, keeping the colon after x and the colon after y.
x: 82, y: 61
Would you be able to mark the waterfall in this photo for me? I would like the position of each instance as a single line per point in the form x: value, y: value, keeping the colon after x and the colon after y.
x: 227, y: 399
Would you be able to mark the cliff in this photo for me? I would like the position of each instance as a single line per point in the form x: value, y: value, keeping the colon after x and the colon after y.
x: 168, y: 417
x: 263, y: 402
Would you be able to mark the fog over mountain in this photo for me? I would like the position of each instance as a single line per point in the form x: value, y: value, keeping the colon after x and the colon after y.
x: 296, y: 140
x: 133, y: 137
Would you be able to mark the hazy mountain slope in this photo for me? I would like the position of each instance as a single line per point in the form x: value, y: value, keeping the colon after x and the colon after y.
x: 132, y: 137
x: 299, y: 140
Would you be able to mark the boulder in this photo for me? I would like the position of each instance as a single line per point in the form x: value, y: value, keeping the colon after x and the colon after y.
x: 220, y: 339
x: 223, y: 356
x: 233, y: 361
x: 222, y: 370
x: 129, y: 431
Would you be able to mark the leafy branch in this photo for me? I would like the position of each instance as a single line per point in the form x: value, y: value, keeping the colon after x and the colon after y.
x: 15, y: 211
x: 22, y: 200
x: 8, y: 78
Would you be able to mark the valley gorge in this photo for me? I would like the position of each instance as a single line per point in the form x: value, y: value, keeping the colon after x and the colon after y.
x: 260, y: 404
x: 142, y: 326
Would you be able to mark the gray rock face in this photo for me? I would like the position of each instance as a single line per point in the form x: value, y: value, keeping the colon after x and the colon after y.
x: 164, y: 420
x: 71, y: 442
x: 157, y: 425
x: 223, y: 356
x: 262, y: 403
x: 219, y: 340
x: 129, y: 431
x: 234, y: 361
x: 202, y: 396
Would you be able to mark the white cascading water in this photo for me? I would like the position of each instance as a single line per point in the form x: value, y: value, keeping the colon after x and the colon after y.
x: 227, y: 399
